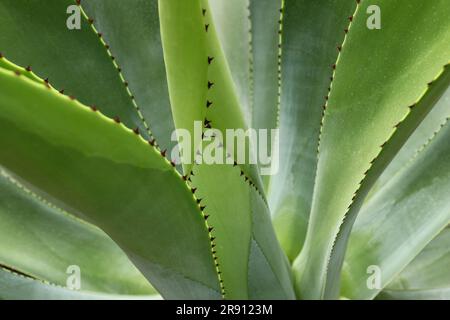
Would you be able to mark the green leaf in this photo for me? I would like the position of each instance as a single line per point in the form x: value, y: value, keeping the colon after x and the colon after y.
x: 309, y: 49
x: 399, y: 221
x: 131, y: 29
x: 361, y: 133
x: 233, y: 29
x: 106, y: 173
x: 42, y: 241
x: 265, y: 16
x: 18, y: 287
x: 200, y: 82
x: 424, y: 131
x: 252, y: 263
x: 77, y: 61
x: 429, y: 270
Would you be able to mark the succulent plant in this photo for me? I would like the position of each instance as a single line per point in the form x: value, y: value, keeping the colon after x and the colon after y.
x: 358, y: 209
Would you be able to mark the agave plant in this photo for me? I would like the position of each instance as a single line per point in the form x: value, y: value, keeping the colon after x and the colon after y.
x: 358, y: 209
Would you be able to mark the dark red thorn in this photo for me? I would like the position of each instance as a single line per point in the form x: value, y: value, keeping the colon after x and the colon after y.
x: 193, y: 190
x: 208, y: 103
x: 339, y: 48
x: 184, y: 177
x: 346, y: 30
x: 100, y: 34
x: 119, y: 69
x: 217, y: 265
x: 163, y: 153
x: 136, y: 130
x: 210, y: 59
x: 219, y: 272
x: 192, y: 173
x: 206, y: 216
x: 17, y: 73
x: 94, y: 108
x: 91, y: 21
x: 213, y: 245
x: 202, y: 208
x: 113, y: 58
x: 117, y: 119
x: 246, y: 178
x: 1, y: 55
x: 72, y: 97
x: 203, y: 12
x: 107, y: 46
x: 199, y: 200
x: 172, y: 163
x: 234, y: 164
x: 151, y: 142
x: 412, y: 106
x: 213, y: 238
x: 350, y: 18
x: 78, y: 2
x: 242, y: 173
x: 331, y: 78
x: 210, y: 84
x: 61, y: 91
x: 326, y: 98
x: 126, y: 84
x: 430, y: 83
x: 210, y: 229
x: 358, y: 1
x: 46, y: 80
x: 206, y: 27
x: 334, y: 66
x: 28, y: 69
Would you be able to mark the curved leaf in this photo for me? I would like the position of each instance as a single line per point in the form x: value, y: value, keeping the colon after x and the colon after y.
x: 408, y: 52
x: 106, y: 173
x: 40, y: 240
x: 200, y: 83
x: 429, y: 269
x: 78, y: 61
x: 398, y: 222
x: 424, y: 131
x: 131, y: 29
x: 308, y: 50
x: 17, y: 287
x: 231, y: 20
x: 251, y: 260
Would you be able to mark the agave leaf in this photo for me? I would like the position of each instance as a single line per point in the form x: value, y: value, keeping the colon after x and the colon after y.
x: 106, y: 173
x: 424, y: 131
x: 308, y: 50
x: 231, y: 20
x: 429, y: 269
x: 200, y: 82
x: 362, y: 133
x: 427, y: 276
x: 131, y: 29
x: 399, y: 221
x: 42, y: 241
x: 265, y: 25
x: 17, y: 287
x: 77, y: 61
x: 252, y: 263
